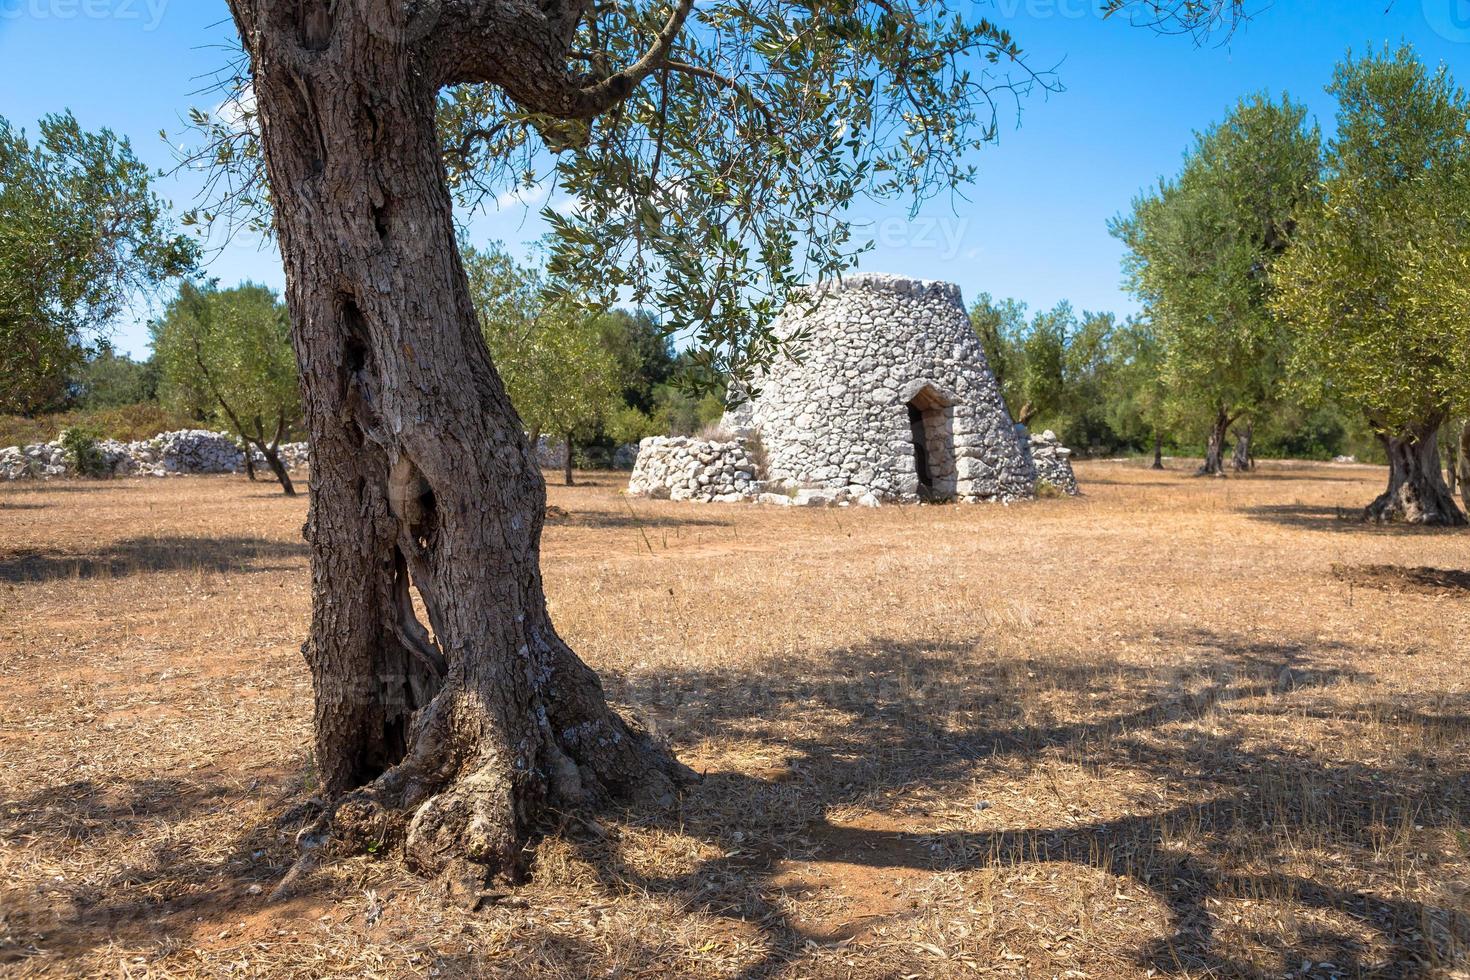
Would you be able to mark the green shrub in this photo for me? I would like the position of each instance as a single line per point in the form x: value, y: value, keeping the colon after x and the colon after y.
x: 81, y: 450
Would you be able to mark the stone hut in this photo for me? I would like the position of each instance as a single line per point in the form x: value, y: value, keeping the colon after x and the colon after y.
x: 889, y: 395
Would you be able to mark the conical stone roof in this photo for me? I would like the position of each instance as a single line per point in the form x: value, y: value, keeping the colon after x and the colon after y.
x: 889, y: 394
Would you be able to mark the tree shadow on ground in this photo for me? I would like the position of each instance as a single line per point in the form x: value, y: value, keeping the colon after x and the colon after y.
x: 1405, y: 578
x: 866, y: 729
x: 925, y: 718
x: 153, y: 554
x: 1344, y: 520
x: 1313, y: 474
x: 166, y: 883
x: 1091, y: 479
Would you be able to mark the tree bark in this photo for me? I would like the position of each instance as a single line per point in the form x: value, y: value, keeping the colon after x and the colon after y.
x: 273, y: 460
x: 448, y: 741
x: 1158, y: 450
x: 1242, y: 460
x: 1416, y: 491
x: 567, y: 460
x: 1214, y: 464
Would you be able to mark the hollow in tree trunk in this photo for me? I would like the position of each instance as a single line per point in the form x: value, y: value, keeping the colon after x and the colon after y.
x: 446, y: 741
x: 1241, y: 460
x: 1416, y: 491
x: 1214, y: 464
x: 1158, y: 450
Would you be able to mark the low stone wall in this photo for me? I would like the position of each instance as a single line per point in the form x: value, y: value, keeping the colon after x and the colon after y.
x: 190, y: 451
x: 680, y: 468
x: 168, y: 453
x: 1053, y: 462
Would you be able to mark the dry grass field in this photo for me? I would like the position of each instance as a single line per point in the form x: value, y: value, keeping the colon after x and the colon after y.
x: 1172, y: 728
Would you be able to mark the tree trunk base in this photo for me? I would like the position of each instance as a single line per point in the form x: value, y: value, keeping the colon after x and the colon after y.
x: 1414, y: 505
x: 1416, y: 491
x: 1214, y: 463
x: 454, y: 808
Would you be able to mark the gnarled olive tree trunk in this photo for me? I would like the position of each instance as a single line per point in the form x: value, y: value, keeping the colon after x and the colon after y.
x: 1158, y: 451
x: 1416, y: 491
x: 449, y: 737
x: 1242, y: 460
x: 1214, y: 464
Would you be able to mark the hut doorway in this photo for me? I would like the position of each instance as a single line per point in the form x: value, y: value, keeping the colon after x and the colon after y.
x: 921, y: 448
x: 931, y: 427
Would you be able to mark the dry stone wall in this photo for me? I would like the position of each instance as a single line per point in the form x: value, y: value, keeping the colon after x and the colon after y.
x: 890, y: 397
x: 183, y: 451
x: 681, y: 468
x: 168, y: 453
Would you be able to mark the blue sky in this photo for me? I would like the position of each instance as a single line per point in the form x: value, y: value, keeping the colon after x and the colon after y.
x: 1032, y: 227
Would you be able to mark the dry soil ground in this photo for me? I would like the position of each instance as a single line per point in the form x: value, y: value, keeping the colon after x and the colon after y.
x: 1175, y: 727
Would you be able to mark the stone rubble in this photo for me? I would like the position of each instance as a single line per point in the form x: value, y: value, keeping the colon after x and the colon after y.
x: 1052, y: 460
x: 683, y: 468
x: 187, y: 451
x: 166, y: 454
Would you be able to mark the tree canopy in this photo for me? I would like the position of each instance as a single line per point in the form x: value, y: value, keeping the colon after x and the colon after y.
x: 701, y: 158
x: 1376, y: 291
x: 81, y: 234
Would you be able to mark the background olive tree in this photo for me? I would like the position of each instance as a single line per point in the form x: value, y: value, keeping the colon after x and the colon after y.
x: 1200, y: 251
x: 227, y: 353
x: 1377, y: 289
x: 551, y: 352
x: 82, y: 234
